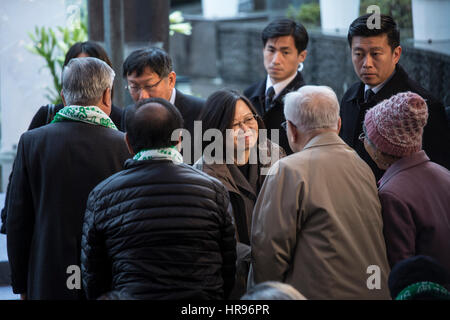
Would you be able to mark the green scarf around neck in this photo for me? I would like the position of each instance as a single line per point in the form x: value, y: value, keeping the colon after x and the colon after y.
x: 90, y: 114
x: 170, y: 153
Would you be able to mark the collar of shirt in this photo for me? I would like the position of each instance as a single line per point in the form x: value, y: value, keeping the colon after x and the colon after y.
x: 380, y: 86
x: 279, y: 86
x: 173, y: 96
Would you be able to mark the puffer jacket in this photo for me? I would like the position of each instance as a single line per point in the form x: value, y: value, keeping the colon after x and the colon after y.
x: 158, y: 230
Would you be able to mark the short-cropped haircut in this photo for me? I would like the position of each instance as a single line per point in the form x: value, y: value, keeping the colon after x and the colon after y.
x: 84, y: 80
x: 286, y: 27
x: 387, y: 26
x: 150, y: 127
x: 312, y: 107
x: 154, y: 58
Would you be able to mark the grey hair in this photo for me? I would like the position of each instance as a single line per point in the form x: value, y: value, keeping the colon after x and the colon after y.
x: 273, y: 290
x: 84, y: 80
x: 312, y: 107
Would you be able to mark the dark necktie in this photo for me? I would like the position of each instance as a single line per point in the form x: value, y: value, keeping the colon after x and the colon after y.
x: 368, y: 95
x: 269, y: 97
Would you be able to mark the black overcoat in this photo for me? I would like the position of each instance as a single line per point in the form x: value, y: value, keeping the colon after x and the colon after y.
x: 436, y: 136
x: 56, y: 167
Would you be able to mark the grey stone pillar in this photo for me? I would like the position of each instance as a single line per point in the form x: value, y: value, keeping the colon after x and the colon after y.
x: 114, y: 44
x: 147, y: 22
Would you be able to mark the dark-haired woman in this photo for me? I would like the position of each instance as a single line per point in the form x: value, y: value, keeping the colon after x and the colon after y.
x: 241, y: 167
x: 79, y: 50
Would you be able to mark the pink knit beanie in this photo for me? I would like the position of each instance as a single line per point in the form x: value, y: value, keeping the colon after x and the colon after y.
x: 395, y: 126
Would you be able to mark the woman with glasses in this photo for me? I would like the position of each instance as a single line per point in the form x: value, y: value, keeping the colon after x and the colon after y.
x: 247, y: 156
x: 79, y: 50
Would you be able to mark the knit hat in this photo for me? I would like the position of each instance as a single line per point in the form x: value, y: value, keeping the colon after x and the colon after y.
x: 421, y: 271
x: 395, y: 126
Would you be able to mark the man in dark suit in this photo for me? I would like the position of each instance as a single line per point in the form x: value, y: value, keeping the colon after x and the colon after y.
x: 56, y: 167
x: 149, y: 75
x: 375, y: 56
x: 284, y: 49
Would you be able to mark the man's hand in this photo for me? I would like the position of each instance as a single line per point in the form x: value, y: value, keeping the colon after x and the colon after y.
x: 23, y: 296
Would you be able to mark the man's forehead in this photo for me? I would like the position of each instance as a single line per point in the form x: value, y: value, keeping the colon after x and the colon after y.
x: 370, y: 42
x: 147, y: 73
x: 281, y: 42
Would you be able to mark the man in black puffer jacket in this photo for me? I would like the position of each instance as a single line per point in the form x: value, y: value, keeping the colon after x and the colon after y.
x: 159, y: 229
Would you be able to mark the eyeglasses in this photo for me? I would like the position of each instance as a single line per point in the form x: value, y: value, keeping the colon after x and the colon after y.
x: 137, y: 89
x: 362, y: 137
x: 248, y: 120
x: 284, y: 125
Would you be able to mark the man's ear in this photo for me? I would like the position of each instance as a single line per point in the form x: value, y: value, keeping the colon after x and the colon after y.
x: 63, y: 100
x: 106, y: 99
x: 293, y: 132
x: 127, y: 142
x: 302, y: 56
x: 339, y: 125
x: 172, y: 78
x: 397, y: 53
x: 179, y: 141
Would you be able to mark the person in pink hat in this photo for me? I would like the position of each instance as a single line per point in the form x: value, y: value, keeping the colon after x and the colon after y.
x: 414, y: 191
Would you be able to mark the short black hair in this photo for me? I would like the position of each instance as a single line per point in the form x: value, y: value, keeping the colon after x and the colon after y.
x: 387, y: 26
x: 90, y: 48
x: 155, y: 58
x: 286, y: 27
x: 150, y: 127
x: 219, y: 111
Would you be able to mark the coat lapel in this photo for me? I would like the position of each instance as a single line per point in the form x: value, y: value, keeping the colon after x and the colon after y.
x: 351, y: 116
x: 241, y: 182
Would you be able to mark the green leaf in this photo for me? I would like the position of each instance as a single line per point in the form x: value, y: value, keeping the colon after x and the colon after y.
x: 66, y: 35
x: 31, y: 48
x: 31, y: 36
x: 52, y: 45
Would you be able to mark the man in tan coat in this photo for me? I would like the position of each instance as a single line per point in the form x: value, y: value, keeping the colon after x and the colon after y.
x: 317, y: 222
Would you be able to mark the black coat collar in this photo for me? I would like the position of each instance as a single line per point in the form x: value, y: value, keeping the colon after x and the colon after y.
x: 356, y: 92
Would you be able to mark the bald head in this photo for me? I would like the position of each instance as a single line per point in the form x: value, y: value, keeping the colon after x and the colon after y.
x: 150, y: 124
x: 152, y: 111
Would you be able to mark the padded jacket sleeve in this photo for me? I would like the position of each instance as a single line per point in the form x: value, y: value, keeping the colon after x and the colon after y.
x: 96, y: 272
x: 228, y: 244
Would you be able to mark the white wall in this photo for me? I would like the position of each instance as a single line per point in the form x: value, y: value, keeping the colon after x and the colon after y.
x: 22, y: 78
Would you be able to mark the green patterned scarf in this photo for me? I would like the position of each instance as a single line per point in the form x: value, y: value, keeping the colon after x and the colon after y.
x: 431, y: 288
x: 170, y: 153
x: 90, y: 114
